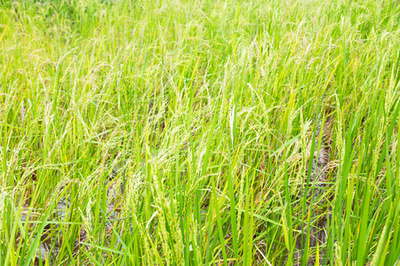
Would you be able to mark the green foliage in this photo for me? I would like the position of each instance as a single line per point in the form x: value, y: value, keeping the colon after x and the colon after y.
x: 206, y: 113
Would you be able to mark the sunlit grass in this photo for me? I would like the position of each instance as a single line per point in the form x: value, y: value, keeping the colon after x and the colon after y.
x: 182, y: 132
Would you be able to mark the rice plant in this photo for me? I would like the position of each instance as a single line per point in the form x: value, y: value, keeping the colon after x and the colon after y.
x: 199, y: 132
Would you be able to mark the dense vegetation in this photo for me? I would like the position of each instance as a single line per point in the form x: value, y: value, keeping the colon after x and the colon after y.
x: 199, y: 132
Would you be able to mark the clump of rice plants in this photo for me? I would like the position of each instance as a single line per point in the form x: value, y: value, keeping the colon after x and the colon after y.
x: 199, y: 132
